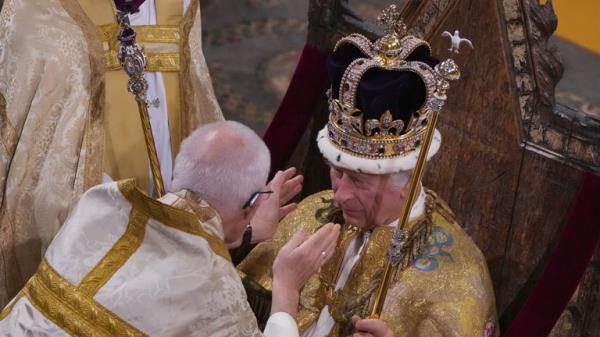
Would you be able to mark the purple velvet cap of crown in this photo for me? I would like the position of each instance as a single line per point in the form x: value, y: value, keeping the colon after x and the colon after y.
x: 379, y: 90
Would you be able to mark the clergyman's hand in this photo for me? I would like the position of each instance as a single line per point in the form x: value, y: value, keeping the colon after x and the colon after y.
x: 296, y: 261
x: 285, y: 185
x: 370, y: 328
x: 291, y: 186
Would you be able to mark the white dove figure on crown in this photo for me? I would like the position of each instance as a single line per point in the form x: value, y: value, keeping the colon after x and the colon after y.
x: 456, y: 41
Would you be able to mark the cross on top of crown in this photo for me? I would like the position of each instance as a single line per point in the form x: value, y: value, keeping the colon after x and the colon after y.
x: 390, y: 19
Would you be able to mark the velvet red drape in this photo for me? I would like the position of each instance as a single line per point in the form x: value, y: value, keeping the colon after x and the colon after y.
x: 307, y: 87
x: 577, y: 245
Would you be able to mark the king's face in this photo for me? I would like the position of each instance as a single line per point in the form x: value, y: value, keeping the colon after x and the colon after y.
x: 366, y: 200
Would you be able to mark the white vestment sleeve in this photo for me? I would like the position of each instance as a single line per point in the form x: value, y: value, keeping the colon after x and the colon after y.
x: 281, y: 324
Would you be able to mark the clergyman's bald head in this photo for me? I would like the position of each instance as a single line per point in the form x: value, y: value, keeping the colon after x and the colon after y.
x: 222, y: 163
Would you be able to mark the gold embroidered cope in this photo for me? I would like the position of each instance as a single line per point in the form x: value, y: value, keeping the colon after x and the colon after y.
x: 73, y: 308
x: 446, y: 290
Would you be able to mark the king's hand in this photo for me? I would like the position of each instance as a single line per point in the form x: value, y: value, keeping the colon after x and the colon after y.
x: 370, y: 328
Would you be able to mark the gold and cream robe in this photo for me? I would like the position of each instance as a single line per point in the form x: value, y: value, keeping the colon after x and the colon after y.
x: 445, y: 292
x: 124, y: 264
x: 66, y: 116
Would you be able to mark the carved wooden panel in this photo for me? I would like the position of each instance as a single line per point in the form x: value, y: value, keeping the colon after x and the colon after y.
x: 477, y: 171
x: 511, y: 159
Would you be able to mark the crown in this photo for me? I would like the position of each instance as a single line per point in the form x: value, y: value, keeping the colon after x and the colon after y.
x: 385, y: 137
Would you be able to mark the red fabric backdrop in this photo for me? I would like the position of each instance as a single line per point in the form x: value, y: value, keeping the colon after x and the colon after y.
x: 307, y: 87
x: 556, y: 286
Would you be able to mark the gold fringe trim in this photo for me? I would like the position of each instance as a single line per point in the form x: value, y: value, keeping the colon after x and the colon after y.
x: 417, y: 237
x: 116, y: 257
x: 70, y: 309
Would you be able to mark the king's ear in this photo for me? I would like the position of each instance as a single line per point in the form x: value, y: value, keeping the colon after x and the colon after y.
x: 406, y: 189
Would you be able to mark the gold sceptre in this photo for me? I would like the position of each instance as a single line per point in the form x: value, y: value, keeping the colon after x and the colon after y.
x: 444, y: 72
x: 133, y: 61
x: 400, y: 233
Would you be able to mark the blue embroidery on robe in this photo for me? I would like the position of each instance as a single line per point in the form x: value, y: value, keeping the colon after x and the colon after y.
x: 439, y: 239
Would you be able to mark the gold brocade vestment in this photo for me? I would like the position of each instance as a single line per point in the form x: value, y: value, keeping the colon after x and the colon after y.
x: 66, y: 116
x: 445, y: 292
x: 124, y: 264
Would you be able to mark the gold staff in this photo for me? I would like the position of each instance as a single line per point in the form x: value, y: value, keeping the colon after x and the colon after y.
x: 133, y: 60
x: 445, y: 71
x: 400, y: 233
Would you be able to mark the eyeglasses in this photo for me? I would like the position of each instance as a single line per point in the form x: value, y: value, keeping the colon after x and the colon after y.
x: 253, y: 198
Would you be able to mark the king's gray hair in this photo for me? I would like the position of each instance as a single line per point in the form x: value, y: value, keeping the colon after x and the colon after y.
x: 400, y: 179
x: 223, y: 163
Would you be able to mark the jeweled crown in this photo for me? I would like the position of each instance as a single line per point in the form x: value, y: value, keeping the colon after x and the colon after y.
x: 385, y: 137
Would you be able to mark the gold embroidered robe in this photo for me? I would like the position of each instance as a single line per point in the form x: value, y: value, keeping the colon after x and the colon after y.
x: 66, y: 117
x: 446, y: 291
x: 125, y: 264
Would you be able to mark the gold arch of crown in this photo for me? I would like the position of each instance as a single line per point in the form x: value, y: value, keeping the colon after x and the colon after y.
x: 385, y: 137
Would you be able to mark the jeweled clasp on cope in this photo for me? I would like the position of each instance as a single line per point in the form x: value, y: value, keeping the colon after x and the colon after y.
x: 398, y: 242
